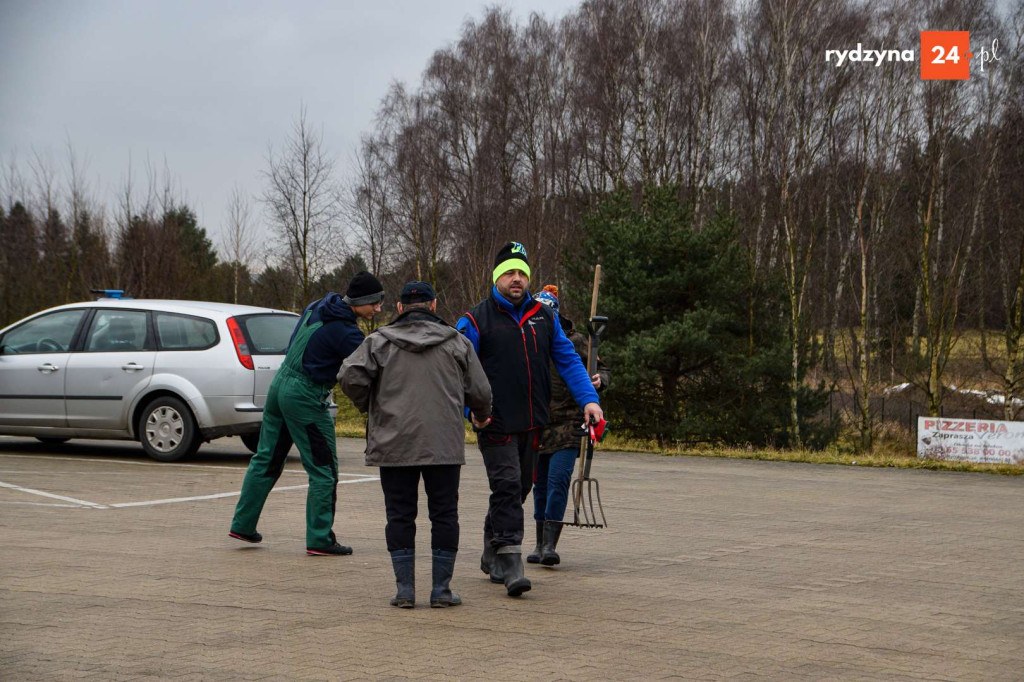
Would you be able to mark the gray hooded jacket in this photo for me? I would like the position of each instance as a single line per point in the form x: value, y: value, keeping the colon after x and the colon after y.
x: 415, y: 376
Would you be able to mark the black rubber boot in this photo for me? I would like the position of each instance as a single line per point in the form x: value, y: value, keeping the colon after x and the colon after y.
x: 488, y: 563
x: 511, y: 561
x: 404, y: 563
x: 548, y: 555
x: 534, y: 556
x: 444, y: 566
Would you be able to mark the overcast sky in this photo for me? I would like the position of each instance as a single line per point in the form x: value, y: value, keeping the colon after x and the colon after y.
x: 207, y: 86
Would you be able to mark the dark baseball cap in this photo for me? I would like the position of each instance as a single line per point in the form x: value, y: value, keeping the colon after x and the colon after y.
x: 417, y: 292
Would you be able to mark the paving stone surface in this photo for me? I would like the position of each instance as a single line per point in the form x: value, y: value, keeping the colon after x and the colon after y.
x: 711, y: 570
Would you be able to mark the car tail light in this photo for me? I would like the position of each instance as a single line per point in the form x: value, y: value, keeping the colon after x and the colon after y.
x: 241, y: 347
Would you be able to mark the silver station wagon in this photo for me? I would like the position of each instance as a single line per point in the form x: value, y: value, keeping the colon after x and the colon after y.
x: 170, y: 374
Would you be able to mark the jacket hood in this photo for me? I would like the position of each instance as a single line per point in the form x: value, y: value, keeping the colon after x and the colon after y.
x: 332, y: 307
x: 418, y: 330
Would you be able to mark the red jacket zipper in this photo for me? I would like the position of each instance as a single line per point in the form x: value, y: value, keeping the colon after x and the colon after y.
x: 529, y: 375
x: 526, y: 353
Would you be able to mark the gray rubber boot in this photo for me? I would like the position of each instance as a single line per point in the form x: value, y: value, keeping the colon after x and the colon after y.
x: 534, y: 556
x: 511, y: 561
x: 488, y: 563
x: 444, y: 566
x: 548, y: 555
x: 404, y: 563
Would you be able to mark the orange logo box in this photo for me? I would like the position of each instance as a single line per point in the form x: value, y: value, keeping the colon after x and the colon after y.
x: 945, y: 55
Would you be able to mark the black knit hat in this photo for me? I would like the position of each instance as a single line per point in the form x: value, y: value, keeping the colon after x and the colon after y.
x: 417, y: 292
x: 511, y: 257
x: 364, y: 289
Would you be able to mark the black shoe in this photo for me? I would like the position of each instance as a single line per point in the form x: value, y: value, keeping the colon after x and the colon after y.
x: 404, y: 563
x: 254, y: 538
x: 333, y: 550
x: 441, y: 595
x: 534, y: 556
x: 512, y: 569
x: 548, y: 555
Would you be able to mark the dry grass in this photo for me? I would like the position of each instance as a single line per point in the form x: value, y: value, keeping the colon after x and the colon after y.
x: 895, y: 449
x: 885, y: 455
x: 966, y: 367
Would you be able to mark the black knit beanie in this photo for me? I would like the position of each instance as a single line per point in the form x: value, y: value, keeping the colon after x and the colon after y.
x: 511, y: 257
x: 364, y: 289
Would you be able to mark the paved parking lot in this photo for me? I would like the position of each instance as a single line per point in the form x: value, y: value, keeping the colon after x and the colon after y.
x: 116, y: 567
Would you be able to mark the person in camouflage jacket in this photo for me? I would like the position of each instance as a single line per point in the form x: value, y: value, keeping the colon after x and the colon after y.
x: 559, y: 448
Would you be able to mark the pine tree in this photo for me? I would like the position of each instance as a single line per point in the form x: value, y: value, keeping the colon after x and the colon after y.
x: 678, y: 339
x: 20, y: 292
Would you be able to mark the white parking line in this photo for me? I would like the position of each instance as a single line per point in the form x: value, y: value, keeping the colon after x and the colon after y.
x: 219, y: 495
x: 97, y: 472
x: 168, y: 465
x: 56, y: 497
x: 353, y: 478
x: 198, y: 497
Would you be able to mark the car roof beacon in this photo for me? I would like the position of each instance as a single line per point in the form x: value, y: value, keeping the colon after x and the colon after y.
x: 109, y: 293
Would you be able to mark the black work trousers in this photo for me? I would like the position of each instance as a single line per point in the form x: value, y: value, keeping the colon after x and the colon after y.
x: 510, y: 460
x: 401, y: 491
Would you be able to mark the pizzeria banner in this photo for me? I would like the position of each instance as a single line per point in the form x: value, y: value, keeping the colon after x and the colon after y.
x: 970, y: 440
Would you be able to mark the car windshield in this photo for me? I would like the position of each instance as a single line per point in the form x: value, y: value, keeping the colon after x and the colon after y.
x: 268, y: 334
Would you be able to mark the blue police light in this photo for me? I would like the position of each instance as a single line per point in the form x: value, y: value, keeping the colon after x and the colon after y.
x: 109, y: 293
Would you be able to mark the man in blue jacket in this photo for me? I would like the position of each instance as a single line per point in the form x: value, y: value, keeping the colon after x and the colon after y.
x: 517, y: 339
x: 296, y: 412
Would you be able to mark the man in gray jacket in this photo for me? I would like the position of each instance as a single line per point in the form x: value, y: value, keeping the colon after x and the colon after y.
x: 415, y: 377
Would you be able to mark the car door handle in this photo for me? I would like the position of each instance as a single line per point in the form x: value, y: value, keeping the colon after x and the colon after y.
x: 131, y: 366
x: 48, y: 367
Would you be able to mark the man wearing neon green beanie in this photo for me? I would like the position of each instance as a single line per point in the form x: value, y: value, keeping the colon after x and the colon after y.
x: 517, y: 339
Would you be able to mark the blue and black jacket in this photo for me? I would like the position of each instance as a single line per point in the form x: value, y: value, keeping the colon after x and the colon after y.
x: 516, y: 346
x: 333, y: 342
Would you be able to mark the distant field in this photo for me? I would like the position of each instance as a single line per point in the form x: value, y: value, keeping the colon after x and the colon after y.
x: 966, y: 356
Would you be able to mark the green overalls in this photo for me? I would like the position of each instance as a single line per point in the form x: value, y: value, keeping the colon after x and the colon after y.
x: 296, y: 411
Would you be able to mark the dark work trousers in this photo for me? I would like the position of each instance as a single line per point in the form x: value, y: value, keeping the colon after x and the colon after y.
x: 401, y: 489
x: 510, y: 460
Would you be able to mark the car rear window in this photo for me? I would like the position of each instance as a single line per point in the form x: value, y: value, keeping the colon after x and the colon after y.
x: 185, y: 332
x: 268, y: 334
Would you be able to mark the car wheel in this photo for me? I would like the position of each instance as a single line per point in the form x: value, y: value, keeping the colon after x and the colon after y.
x: 251, y: 441
x: 52, y: 441
x: 167, y: 430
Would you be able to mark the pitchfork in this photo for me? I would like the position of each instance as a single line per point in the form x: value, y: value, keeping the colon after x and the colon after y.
x: 584, y: 513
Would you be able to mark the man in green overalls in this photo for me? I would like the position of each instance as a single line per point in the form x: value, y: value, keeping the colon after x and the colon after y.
x: 296, y: 412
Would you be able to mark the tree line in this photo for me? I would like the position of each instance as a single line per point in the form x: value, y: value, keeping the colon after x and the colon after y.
x: 875, y: 220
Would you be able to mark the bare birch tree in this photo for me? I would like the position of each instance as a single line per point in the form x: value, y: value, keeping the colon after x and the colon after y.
x: 304, y: 204
x: 237, y: 238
